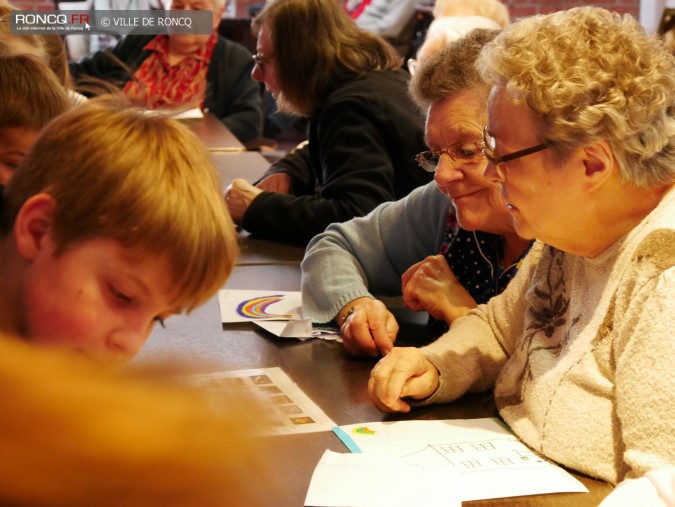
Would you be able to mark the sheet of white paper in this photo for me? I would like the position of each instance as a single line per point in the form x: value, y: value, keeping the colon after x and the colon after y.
x: 250, y: 305
x: 290, y: 411
x: 370, y: 480
x: 190, y: 113
x: 301, y: 329
x: 492, y: 461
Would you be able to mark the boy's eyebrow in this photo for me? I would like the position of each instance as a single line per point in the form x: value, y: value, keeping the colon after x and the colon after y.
x: 173, y: 310
x: 137, y: 281
x: 127, y: 269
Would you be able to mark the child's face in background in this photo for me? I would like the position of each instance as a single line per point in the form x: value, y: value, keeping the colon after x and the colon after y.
x: 14, y: 145
x: 94, y: 298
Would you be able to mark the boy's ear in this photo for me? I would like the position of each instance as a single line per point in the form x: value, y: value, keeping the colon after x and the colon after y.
x: 33, y: 225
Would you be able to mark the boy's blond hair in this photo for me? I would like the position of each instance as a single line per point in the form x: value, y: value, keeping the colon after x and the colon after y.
x: 32, y: 96
x: 17, y: 44
x: 143, y: 180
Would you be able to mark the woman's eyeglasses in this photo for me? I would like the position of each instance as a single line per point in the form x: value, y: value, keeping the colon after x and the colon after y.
x: 500, y: 162
x: 259, y: 60
x: 464, y: 152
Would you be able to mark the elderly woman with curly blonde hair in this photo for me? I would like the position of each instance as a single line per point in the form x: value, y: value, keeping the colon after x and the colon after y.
x: 578, y: 348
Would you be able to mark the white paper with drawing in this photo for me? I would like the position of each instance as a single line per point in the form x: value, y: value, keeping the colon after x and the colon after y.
x: 492, y: 461
x: 278, y: 312
x: 372, y: 480
x: 252, y: 305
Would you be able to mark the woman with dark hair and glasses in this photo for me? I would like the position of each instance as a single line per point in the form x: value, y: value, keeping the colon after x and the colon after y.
x: 396, y: 248
x: 363, y: 129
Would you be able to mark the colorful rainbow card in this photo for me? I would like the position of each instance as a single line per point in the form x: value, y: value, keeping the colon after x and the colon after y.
x: 253, y: 305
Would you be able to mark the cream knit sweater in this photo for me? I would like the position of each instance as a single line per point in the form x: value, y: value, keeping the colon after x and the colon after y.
x: 580, y: 352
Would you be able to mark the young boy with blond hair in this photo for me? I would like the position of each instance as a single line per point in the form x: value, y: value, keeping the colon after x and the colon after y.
x: 32, y: 97
x: 113, y: 222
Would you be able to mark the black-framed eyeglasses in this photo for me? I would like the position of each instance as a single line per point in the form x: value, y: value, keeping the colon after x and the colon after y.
x: 463, y: 152
x: 260, y: 60
x: 500, y: 162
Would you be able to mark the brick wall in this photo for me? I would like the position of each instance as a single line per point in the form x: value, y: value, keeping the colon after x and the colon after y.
x: 518, y: 8
x: 522, y: 8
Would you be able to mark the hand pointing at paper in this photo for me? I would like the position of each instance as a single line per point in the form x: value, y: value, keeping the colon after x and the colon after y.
x: 367, y: 327
x: 403, y: 373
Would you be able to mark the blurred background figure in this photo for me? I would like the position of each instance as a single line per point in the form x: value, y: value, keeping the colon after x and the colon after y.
x: 79, y: 45
x: 667, y: 28
x: 183, y: 72
x: 34, y: 84
x: 32, y: 98
x: 454, y: 18
x: 394, y: 20
x: 445, y: 30
x: 491, y: 9
x: 48, y: 48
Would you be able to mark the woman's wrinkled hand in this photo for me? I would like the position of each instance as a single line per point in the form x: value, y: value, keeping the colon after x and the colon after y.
x: 367, y: 327
x: 403, y: 373
x: 431, y: 286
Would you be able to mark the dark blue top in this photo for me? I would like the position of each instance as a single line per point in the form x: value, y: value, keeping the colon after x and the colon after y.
x: 476, y: 259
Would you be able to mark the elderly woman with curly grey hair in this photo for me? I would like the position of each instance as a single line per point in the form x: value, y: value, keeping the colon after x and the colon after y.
x: 578, y: 348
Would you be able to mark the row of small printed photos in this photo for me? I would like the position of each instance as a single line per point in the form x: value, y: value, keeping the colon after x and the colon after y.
x: 285, y: 410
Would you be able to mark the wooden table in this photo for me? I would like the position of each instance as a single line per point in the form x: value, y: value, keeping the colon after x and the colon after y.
x: 331, y: 378
x: 233, y: 161
x: 260, y: 252
x: 212, y: 132
x: 229, y: 156
x: 249, y: 165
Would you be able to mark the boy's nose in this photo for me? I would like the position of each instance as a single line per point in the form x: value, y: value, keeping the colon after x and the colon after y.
x: 126, y: 341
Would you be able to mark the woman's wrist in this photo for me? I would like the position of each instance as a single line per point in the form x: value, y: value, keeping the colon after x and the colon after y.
x: 348, y: 309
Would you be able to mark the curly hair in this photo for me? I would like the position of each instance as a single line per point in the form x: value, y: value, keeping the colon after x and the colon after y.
x: 591, y: 75
x: 451, y: 70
